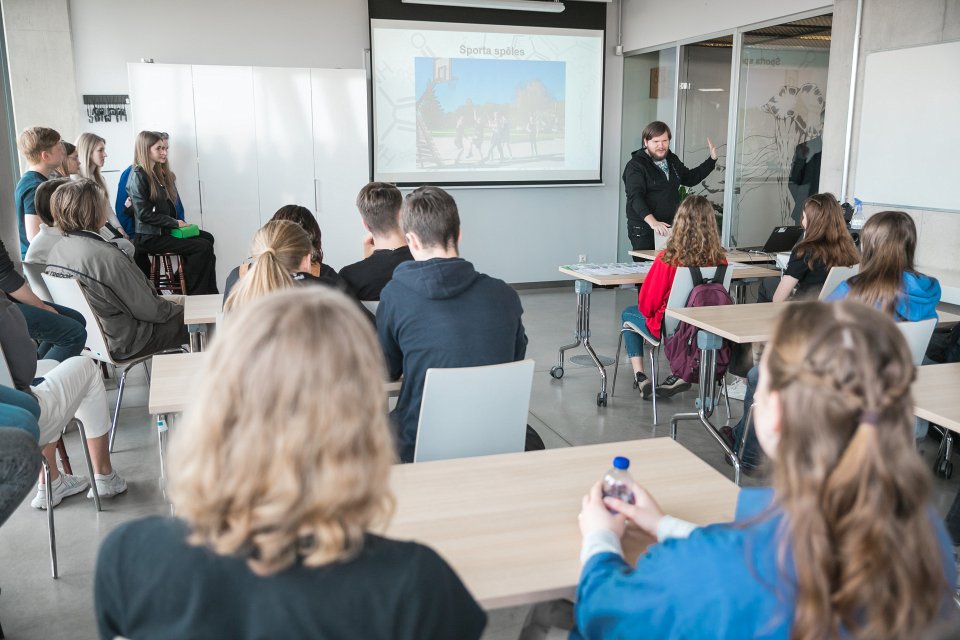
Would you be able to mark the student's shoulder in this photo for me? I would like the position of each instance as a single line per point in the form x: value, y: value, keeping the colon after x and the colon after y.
x: 157, y: 533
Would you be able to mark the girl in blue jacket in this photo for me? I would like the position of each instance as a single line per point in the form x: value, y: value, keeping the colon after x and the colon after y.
x: 888, y: 279
x: 845, y: 544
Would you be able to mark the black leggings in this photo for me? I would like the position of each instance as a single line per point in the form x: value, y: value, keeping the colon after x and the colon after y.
x: 641, y: 237
x: 200, y: 269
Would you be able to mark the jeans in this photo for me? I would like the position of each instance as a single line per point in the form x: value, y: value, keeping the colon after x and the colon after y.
x: 19, y: 466
x: 61, y: 335
x: 19, y: 410
x: 752, y: 456
x: 633, y: 341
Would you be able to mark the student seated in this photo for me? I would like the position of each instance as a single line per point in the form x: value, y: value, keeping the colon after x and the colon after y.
x: 279, y: 480
x: 19, y: 464
x: 384, y: 246
x: 73, y: 389
x: 71, y: 162
x: 44, y: 151
x: 281, y: 258
x: 438, y: 311
x: 694, y: 243
x: 153, y: 191
x: 92, y: 156
x: 49, y: 234
x: 135, y: 320
x: 847, y: 543
x: 826, y: 244
x: 314, y: 268
x: 124, y: 205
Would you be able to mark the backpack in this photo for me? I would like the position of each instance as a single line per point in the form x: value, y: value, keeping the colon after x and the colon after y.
x: 681, y: 348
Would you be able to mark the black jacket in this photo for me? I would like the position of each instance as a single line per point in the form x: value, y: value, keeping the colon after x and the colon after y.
x: 10, y: 278
x: 152, y: 216
x: 649, y: 190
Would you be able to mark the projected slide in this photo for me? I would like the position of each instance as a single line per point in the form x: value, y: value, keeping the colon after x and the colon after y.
x: 486, y: 104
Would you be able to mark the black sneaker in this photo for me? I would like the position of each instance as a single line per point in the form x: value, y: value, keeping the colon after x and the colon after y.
x: 672, y: 386
x: 642, y: 382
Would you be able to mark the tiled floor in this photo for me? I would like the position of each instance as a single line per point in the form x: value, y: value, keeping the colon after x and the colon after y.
x: 564, y: 412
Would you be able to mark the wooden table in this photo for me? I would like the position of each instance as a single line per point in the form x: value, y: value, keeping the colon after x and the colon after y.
x: 508, y: 523
x: 199, y: 313
x: 583, y: 287
x: 733, y: 255
x: 173, y: 382
x: 935, y: 394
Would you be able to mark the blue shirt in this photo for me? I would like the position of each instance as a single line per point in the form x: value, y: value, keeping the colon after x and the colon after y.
x: 723, y: 582
x: 23, y: 197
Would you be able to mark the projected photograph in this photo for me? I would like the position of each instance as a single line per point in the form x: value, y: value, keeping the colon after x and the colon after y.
x: 484, y: 113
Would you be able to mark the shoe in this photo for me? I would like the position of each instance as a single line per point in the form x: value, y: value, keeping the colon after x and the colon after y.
x: 746, y: 469
x: 642, y: 382
x: 725, y: 432
x: 737, y: 390
x: 672, y: 386
x: 64, y: 486
x: 108, y: 486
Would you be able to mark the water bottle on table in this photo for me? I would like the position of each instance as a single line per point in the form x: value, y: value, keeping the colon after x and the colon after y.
x: 617, y: 482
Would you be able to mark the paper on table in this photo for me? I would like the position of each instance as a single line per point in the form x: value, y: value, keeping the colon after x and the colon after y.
x: 610, y: 269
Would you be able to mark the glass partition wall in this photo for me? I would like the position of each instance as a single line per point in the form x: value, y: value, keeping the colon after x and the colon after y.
x: 759, y: 95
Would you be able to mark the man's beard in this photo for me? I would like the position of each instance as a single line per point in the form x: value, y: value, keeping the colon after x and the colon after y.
x: 654, y: 155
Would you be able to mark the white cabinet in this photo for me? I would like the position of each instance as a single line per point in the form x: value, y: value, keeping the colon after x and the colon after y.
x: 247, y: 140
x: 341, y: 159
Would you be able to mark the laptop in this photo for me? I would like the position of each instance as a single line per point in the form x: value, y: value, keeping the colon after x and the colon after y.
x: 781, y: 239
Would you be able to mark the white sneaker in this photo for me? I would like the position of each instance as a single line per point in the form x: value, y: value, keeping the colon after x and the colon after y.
x: 737, y: 390
x: 108, y: 486
x: 64, y: 486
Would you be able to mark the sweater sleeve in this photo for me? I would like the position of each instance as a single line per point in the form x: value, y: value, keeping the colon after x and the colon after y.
x: 693, y: 177
x: 652, y: 300
x: 635, y: 185
x: 387, y: 334
x: 10, y: 280
x: 19, y: 350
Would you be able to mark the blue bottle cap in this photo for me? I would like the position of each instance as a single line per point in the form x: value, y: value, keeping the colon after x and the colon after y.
x: 621, y: 463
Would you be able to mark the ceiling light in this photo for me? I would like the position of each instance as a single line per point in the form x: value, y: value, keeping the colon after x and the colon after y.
x: 514, y: 5
x: 711, y: 90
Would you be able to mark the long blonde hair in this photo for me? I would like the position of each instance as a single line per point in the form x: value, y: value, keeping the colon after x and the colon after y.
x: 159, y: 175
x: 278, y: 248
x: 694, y: 241
x: 86, y: 144
x: 286, y: 454
x: 855, y: 493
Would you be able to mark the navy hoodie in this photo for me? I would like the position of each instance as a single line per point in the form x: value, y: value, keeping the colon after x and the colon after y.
x: 442, y: 313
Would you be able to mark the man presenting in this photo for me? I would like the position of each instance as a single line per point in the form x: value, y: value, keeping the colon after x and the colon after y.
x: 652, y: 179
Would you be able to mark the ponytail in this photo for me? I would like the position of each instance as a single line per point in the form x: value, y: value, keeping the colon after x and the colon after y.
x: 278, y: 248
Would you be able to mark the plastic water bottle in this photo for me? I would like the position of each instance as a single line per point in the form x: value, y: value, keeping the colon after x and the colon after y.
x: 856, y: 222
x: 617, y: 482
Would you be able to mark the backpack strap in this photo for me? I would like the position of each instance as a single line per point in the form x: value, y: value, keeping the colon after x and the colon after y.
x: 696, y: 275
x: 720, y: 274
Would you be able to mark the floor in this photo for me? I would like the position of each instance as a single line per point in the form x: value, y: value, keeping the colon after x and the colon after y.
x: 564, y: 412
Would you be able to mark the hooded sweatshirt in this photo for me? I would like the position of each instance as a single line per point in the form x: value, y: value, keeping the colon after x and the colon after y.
x: 919, y: 295
x: 442, y: 313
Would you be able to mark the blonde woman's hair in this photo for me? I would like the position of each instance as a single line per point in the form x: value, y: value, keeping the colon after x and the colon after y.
x: 855, y: 493
x: 694, y: 241
x: 78, y: 205
x: 278, y: 248
x: 287, y: 456
x: 159, y: 175
x: 86, y: 144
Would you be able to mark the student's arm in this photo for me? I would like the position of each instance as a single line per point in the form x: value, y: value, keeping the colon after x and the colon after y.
x: 386, y: 332
x: 26, y: 295
x: 785, y: 288
x: 31, y: 223
x: 655, y: 291
x: 693, y: 177
x: 635, y: 185
x: 19, y: 350
x: 108, y: 590
x: 129, y: 284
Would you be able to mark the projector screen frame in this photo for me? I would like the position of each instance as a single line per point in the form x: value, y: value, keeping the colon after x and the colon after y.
x: 581, y: 16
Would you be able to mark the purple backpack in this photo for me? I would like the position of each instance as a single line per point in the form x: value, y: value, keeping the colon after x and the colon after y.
x: 681, y: 348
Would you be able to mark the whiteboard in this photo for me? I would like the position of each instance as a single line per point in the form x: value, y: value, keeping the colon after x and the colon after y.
x: 910, y: 128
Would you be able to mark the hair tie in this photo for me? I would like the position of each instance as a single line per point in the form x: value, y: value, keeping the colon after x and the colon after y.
x: 269, y: 250
x: 870, y: 417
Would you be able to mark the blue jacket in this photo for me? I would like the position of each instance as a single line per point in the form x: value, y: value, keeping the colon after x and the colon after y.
x: 442, y: 313
x: 722, y: 582
x: 128, y: 222
x: 918, y: 299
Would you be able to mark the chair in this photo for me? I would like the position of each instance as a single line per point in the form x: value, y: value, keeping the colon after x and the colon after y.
x: 34, y: 275
x: 67, y: 291
x: 164, y: 277
x: 474, y: 411
x: 835, y: 277
x: 679, y: 292
x: 371, y: 305
x: 918, y: 336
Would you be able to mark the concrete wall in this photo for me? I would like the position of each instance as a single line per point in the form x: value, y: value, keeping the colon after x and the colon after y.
x: 8, y: 161
x: 890, y: 24
x: 519, y: 234
x: 647, y: 23
x: 42, y: 75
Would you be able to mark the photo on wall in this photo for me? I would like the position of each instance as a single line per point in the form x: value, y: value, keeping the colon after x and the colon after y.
x: 489, y: 113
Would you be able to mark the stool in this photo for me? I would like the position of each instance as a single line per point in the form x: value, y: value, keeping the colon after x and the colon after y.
x: 162, y: 275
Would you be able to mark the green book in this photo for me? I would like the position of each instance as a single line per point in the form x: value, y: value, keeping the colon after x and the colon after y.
x: 189, y: 231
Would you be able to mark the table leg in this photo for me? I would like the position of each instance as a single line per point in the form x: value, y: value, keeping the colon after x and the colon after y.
x: 162, y: 429
x: 583, y: 290
x: 197, y: 334
x: 708, y: 343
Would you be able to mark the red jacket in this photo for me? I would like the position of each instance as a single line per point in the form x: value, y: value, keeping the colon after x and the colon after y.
x: 652, y: 301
